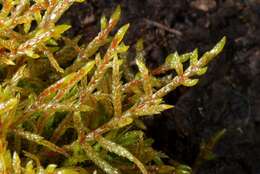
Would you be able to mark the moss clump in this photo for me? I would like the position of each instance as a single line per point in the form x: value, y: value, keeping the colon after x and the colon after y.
x: 80, y: 117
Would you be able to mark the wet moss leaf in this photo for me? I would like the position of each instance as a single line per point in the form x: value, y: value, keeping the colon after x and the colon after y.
x: 58, y: 30
x: 103, y: 23
x: 174, y: 62
x: 41, y: 141
x: 190, y: 82
x: 201, y: 71
x: 194, y: 57
x: 8, y: 105
x: 65, y: 84
x: 151, y: 108
x: 147, y: 85
x: 16, y: 164
x: 209, y: 55
x: 52, y: 60
x: 29, y: 168
x: 94, y: 156
x: 121, y: 151
x: 6, y: 61
x: 116, y: 88
x: 130, y: 138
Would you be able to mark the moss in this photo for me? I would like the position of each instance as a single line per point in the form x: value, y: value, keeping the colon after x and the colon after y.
x: 87, y: 119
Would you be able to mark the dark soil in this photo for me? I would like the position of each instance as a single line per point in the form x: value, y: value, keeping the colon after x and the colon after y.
x: 227, y: 97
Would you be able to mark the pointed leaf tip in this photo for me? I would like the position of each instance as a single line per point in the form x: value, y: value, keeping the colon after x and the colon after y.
x: 219, y: 46
x: 117, y: 13
x: 103, y: 22
x: 173, y: 60
x: 121, y: 32
x: 6, y: 61
x: 209, y: 55
x: 194, y: 57
x: 16, y: 164
x: 58, y: 30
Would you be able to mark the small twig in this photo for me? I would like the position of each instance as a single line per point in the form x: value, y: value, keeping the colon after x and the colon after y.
x: 161, y: 26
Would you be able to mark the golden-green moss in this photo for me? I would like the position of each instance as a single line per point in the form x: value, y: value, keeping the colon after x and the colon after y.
x: 84, y: 117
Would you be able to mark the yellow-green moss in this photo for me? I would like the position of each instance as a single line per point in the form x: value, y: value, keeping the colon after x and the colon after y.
x: 82, y: 117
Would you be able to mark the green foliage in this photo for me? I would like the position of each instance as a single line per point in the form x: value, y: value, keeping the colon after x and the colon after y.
x: 83, y: 116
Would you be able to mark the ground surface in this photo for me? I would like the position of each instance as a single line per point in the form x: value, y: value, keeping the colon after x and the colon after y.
x: 227, y: 97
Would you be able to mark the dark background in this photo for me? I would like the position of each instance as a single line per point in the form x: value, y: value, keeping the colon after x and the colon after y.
x: 228, y: 96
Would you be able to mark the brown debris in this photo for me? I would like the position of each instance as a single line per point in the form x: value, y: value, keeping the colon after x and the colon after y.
x: 204, y: 5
